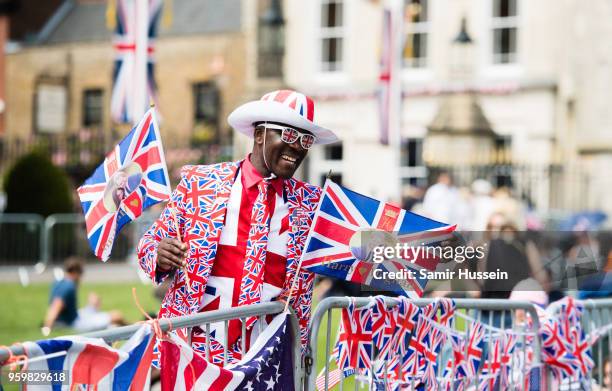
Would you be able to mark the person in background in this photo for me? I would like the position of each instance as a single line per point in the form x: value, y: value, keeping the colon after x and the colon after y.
x: 510, y: 207
x: 529, y: 290
x: 441, y: 200
x: 412, y: 195
x: 63, y: 312
x: 482, y: 204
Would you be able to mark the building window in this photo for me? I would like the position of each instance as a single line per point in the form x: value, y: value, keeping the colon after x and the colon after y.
x: 413, y: 168
x: 332, y: 22
x: 92, y: 107
x: 416, y: 27
x: 503, y: 168
x: 333, y: 152
x: 505, y: 26
x: 207, y: 105
x: 412, y: 152
x: 270, y: 39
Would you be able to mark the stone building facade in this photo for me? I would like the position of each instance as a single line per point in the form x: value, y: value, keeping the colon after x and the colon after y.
x: 539, y: 72
x: 60, y: 85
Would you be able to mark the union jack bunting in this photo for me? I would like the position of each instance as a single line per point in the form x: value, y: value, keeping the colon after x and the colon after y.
x: 467, y: 352
x: 132, y: 177
x: 354, y: 340
x: 565, y: 347
x: 491, y: 368
x: 387, y: 372
x: 535, y: 379
x: 579, y: 344
x: 420, y: 361
x: 497, y: 368
x: 338, y: 246
x: 555, y: 350
x: 384, y: 324
x: 507, y: 358
x: 407, y: 319
x: 125, y: 41
x: 440, y: 322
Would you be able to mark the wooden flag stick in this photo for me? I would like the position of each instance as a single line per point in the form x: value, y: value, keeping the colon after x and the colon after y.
x: 297, y: 271
x: 295, y: 280
x: 299, y: 267
x: 178, y: 236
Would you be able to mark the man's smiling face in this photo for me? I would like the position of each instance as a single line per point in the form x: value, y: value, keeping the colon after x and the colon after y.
x: 282, y: 159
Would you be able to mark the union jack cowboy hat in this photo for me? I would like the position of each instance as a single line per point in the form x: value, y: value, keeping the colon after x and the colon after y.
x: 283, y: 106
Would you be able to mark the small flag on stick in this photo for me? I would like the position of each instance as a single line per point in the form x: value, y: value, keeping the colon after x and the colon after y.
x: 132, y: 177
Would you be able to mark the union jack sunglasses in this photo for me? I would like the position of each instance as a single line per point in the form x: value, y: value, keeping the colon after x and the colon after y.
x: 290, y: 135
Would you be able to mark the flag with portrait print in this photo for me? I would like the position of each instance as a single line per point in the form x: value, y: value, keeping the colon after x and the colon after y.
x: 132, y: 178
x: 349, y: 228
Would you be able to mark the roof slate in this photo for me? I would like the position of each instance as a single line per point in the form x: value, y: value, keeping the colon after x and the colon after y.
x: 82, y: 22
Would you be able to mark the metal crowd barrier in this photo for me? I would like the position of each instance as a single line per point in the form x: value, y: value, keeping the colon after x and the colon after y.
x: 490, y: 312
x: 28, y: 239
x: 597, y: 314
x: 21, y: 238
x: 204, y: 320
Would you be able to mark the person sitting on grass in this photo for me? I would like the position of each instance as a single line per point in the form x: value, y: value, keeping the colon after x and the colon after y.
x: 62, y: 310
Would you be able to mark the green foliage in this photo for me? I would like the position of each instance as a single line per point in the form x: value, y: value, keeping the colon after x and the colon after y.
x: 35, y: 185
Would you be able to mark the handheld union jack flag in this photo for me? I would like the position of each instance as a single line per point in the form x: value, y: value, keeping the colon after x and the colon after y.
x: 347, y: 230
x: 132, y: 177
x: 354, y: 340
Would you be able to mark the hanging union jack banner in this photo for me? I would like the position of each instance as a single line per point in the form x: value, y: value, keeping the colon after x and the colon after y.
x: 132, y: 177
x: 136, y: 27
x: 93, y: 365
x: 348, y: 230
x: 354, y: 347
x: 467, y: 353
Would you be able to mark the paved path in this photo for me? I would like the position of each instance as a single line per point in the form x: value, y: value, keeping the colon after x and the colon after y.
x: 94, y: 272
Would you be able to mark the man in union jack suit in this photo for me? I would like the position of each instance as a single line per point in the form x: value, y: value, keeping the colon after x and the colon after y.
x: 243, y: 224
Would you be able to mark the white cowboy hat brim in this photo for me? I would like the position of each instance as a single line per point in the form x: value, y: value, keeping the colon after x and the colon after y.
x: 243, y: 118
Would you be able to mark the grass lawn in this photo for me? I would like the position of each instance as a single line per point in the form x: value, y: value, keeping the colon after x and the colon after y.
x: 23, y: 309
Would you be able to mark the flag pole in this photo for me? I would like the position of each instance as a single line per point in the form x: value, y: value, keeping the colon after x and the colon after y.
x: 140, y: 60
x: 178, y: 236
x: 395, y: 84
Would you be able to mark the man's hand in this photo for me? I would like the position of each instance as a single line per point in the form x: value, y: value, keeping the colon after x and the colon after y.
x: 171, y: 254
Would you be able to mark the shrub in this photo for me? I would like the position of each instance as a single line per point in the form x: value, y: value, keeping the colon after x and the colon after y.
x: 35, y: 185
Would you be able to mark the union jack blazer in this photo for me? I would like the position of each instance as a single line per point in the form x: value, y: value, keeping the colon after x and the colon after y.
x: 200, y: 203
